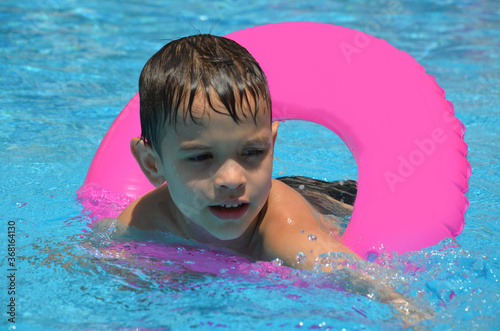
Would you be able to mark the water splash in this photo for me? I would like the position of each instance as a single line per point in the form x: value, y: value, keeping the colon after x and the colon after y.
x: 277, y: 262
x: 301, y: 258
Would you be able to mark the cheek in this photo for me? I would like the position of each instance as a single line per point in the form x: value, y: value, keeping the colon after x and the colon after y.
x: 180, y: 188
x: 268, y: 164
x: 188, y: 199
x: 177, y: 176
x: 186, y: 190
x: 262, y: 177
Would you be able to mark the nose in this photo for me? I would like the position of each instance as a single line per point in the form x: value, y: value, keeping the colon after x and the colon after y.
x: 231, y: 175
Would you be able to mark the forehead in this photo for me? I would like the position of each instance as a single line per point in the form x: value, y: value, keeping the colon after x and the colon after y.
x: 204, y: 107
x: 213, y: 123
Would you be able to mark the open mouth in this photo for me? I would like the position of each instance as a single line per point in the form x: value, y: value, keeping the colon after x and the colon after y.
x: 229, y: 211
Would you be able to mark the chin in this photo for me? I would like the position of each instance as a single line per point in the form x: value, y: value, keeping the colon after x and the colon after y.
x: 228, y: 236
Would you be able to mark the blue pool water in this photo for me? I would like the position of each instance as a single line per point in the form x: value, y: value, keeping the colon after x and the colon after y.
x: 66, y: 70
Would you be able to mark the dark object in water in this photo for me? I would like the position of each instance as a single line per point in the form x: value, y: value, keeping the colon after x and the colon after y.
x: 335, y: 198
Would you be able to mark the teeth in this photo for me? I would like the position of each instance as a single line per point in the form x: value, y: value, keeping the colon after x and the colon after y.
x: 232, y: 206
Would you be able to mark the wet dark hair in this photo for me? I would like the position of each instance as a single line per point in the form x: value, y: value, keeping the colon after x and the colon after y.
x: 215, y: 66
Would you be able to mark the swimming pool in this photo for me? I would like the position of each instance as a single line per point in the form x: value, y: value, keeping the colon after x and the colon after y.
x: 68, y: 68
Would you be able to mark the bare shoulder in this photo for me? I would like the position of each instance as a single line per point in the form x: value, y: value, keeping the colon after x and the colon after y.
x: 287, y: 209
x: 290, y: 227
x: 152, y: 211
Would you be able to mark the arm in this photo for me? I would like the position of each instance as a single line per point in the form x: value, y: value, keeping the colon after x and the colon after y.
x: 295, y: 229
x: 292, y: 233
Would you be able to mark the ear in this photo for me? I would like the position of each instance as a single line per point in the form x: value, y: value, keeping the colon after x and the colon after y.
x: 274, y: 130
x: 148, y: 160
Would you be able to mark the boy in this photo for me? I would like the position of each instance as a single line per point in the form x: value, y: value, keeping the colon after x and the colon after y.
x: 207, y: 132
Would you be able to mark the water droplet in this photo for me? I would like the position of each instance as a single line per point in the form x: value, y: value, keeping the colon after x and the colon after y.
x: 312, y: 237
x: 341, y: 182
x: 301, y: 187
x: 277, y: 262
x: 371, y: 257
x: 301, y: 257
x: 301, y: 230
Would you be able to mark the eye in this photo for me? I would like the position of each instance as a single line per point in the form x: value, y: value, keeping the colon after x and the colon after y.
x: 255, y: 152
x: 200, y: 158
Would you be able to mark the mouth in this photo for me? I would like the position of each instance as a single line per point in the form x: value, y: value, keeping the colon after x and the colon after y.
x: 229, y: 211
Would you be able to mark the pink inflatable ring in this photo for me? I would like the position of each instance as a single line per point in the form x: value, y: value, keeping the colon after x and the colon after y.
x: 394, y: 118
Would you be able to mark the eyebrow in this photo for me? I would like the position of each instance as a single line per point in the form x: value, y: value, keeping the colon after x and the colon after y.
x: 188, y: 146
x: 262, y: 140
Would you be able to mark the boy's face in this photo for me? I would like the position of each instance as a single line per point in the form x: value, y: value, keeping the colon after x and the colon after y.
x: 219, y: 172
